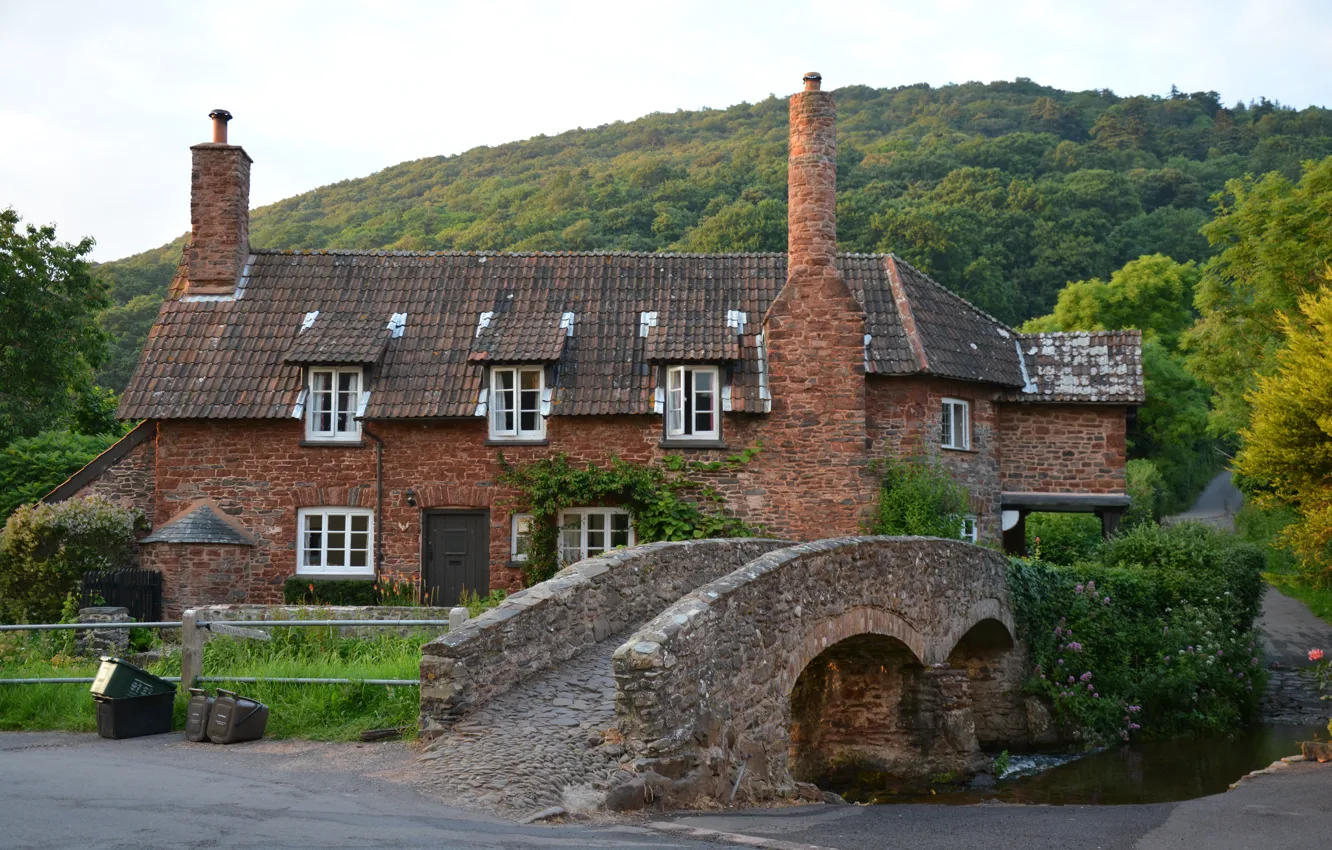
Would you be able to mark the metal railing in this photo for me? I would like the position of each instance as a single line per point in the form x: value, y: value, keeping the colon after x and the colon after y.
x: 195, y: 633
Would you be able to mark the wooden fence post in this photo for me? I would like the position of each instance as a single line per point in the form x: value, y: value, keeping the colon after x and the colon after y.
x: 192, y: 639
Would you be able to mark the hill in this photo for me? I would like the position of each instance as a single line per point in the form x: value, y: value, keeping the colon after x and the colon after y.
x: 1004, y: 192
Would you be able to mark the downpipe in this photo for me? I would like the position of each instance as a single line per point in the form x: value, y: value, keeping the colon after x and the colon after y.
x: 379, y: 495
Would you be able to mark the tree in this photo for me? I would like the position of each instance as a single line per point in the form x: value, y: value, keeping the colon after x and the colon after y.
x: 1287, y: 454
x: 1150, y: 294
x: 31, y: 467
x: 48, y: 330
x: 1276, y: 241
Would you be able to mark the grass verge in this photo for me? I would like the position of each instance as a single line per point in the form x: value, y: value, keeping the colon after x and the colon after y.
x: 315, y: 712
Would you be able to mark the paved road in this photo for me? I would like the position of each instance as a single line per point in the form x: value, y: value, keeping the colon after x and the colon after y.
x: 63, y: 791
x: 1217, y: 504
x: 60, y: 790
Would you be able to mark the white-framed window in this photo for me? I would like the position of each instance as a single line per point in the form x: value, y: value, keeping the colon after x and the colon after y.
x: 956, y: 424
x: 520, y: 536
x: 334, y: 402
x: 585, y: 532
x: 515, y: 402
x: 969, y: 528
x: 336, y: 540
x: 693, y: 394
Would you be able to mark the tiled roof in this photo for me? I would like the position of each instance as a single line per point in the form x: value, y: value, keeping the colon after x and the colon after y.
x: 237, y: 358
x: 1103, y: 367
x: 199, y: 524
x: 342, y: 337
x: 956, y: 339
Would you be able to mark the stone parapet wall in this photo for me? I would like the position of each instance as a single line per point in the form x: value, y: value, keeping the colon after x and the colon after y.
x: 259, y: 613
x: 705, y: 686
x: 555, y: 620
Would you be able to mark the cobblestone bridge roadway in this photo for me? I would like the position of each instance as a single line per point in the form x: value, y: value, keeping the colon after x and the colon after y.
x: 519, y: 751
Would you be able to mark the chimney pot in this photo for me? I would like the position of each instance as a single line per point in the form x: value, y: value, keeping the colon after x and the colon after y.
x: 220, y: 118
x: 812, y: 81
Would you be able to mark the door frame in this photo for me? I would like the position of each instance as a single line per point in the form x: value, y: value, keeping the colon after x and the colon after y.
x: 426, y: 513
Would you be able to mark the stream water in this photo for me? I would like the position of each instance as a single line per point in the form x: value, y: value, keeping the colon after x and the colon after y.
x: 1148, y: 772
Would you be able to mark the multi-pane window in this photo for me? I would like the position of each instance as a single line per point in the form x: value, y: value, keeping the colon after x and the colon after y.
x: 521, y: 536
x: 336, y: 540
x: 515, y: 408
x: 956, y: 424
x: 691, y: 403
x: 585, y: 532
x: 334, y: 396
x: 969, y: 529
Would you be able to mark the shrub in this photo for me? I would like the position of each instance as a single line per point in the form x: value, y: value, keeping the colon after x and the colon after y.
x: 1159, y: 627
x: 1192, y: 559
x: 32, y: 467
x: 1147, y: 493
x: 1063, y: 538
x: 919, y: 497
x: 304, y: 590
x: 46, y: 549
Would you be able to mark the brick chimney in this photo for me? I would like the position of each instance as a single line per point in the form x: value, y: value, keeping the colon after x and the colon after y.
x: 815, y: 338
x: 219, y: 212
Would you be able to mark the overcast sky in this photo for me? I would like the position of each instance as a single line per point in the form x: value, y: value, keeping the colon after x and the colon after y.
x: 100, y: 101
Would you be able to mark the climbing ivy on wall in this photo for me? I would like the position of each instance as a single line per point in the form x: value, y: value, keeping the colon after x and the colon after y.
x: 665, y: 501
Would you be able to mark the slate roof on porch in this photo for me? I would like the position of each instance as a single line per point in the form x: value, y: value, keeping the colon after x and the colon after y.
x: 585, y: 312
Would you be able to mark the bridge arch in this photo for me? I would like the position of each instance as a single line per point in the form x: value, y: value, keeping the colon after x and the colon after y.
x: 706, y: 686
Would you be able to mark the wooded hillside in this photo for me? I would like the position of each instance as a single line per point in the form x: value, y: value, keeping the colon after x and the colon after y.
x: 1004, y: 192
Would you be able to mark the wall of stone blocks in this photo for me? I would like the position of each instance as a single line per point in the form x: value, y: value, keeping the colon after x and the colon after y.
x: 706, y: 685
x: 556, y: 620
x: 1046, y: 448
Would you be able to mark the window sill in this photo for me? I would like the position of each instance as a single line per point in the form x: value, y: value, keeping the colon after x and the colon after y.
x: 501, y: 441
x: 337, y: 576
x: 961, y: 451
x: 514, y: 565
x: 332, y: 444
x: 693, y: 444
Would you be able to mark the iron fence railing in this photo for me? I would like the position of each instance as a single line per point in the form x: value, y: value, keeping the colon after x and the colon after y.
x: 195, y: 633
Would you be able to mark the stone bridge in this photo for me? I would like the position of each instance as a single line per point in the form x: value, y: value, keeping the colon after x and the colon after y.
x: 888, y: 654
x: 677, y: 673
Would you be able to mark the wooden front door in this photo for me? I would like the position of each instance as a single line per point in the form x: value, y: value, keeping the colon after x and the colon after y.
x: 457, y: 554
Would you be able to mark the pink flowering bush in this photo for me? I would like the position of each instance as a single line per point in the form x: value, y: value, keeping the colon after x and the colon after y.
x: 1321, y: 673
x: 1127, y: 651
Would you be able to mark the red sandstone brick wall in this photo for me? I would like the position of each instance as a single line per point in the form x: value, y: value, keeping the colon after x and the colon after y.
x: 904, y: 420
x: 220, y: 217
x: 257, y: 472
x: 129, y: 481
x: 1047, y: 448
x: 221, y: 574
x: 814, y: 475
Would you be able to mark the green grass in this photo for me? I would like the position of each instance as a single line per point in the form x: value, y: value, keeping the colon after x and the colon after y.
x: 316, y: 712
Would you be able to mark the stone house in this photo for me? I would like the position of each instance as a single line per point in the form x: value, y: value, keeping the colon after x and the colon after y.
x: 339, y: 413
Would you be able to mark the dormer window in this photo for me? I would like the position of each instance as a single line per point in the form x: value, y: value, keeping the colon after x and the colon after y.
x: 515, y: 408
x: 956, y: 424
x: 334, y: 403
x: 692, y: 403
